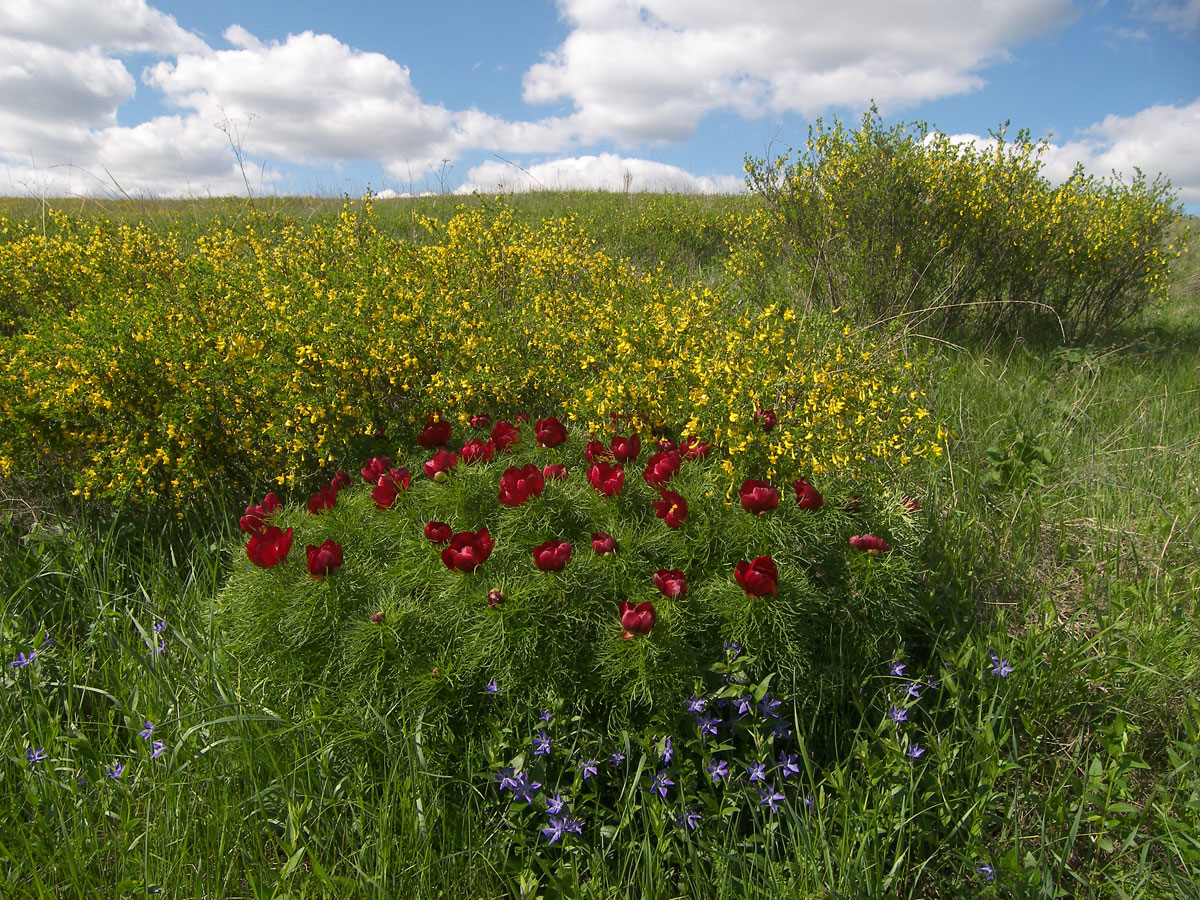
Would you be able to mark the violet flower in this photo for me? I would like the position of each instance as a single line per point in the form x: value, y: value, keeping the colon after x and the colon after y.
x: 660, y: 784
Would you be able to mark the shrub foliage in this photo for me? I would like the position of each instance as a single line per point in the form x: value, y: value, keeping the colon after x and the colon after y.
x: 269, y: 349
x: 972, y: 239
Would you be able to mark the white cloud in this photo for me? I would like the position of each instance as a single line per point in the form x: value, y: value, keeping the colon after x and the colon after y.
x: 46, y: 87
x: 1178, y: 15
x: 1159, y: 140
x: 650, y: 70
x: 606, y: 172
x: 167, y: 156
x: 61, y: 86
x: 123, y: 25
x: 313, y: 99
x: 308, y: 99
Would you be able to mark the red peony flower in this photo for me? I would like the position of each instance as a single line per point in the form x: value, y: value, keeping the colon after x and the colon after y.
x: 758, y: 496
x: 554, y: 472
x: 322, y: 500
x: 868, y: 543
x: 757, y: 578
x: 269, y: 547
x: 672, y: 508
x: 478, y: 451
x: 467, y: 551
x: 439, y: 467
x: 323, y: 560
x: 389, y: 485
x: 603, y: 544
x: 766, y: 418
x: 606, y: 478
x: 340, y: 480
x: 550, y: 432
x: 506, y: 435
x: 596, y: 451
x: 662, y: 467
x: 670, y: 582
x: 518, y: 485
x: 376, y: 468
x: 552, y: 556
x: 626, y: 449
x: 495, y: 597
x: 694, y: 448
x: 435, y: 433
x: 638, y: 619
x: 256, y: 516
x: 438, y: 532
x: 807, y: 496
x: 665, y: 444
x: 482, y: 421
x: 911, y: 504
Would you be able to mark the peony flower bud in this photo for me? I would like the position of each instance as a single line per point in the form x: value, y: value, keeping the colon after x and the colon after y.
x: 758, y: 496
x: 323, y: 560
x: 757, y: 578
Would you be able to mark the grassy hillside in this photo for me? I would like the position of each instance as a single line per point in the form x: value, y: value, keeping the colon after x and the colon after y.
x: 1036, y: 734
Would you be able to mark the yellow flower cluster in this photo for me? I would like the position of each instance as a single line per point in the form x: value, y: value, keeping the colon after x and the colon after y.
x: 268, y: 349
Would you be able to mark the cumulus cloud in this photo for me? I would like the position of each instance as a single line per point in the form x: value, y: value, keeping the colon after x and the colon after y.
x: 61, y: 86
x: 307, y: 99
x: 44, y: 86
x: 606, y: 172
x: 120, y: 25
x: 649, y: 70
x: 1159, y: 140
x: 169, y: 156
x: 313, y: 99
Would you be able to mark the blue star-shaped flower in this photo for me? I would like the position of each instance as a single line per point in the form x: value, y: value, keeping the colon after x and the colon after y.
x: 660, y: 784
x: 770, y: 798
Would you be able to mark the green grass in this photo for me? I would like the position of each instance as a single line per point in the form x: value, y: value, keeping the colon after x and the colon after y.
x: 1066, y: 540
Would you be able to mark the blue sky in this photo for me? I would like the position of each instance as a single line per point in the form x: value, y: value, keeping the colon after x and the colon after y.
x: 107, y: 96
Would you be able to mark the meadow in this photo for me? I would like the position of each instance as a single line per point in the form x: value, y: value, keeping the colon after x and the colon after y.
x: 995, y: 696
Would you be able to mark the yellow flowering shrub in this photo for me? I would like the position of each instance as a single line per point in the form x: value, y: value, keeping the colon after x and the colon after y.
x: 70, y: 262
x: 270, y: 349
x: 902, y: 222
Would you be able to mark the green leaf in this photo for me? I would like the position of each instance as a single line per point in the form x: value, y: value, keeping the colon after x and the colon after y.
x: 290, y: 866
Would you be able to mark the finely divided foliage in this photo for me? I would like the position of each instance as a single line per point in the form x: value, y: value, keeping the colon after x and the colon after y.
x: 544, y: 586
